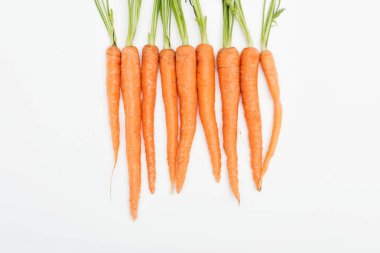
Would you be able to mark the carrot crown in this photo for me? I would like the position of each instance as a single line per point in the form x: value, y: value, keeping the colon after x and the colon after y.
x: 269, y: 20
x: 166, y: 11
x: 107, y: 16
x: 201, y: 20
x: 228, y: 22
x: 237, y: 10
x: 180, y: 20
x: 134, y: 14
x: 153, y: 28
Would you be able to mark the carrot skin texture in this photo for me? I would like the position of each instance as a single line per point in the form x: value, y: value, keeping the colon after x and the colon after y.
x: 131, y: 90
x: 271, y: 75
x: 113, y: 96
x: 186, y: 65
x: 206, y: 99
x: 149, y: 71
x: 170, y: 96
x: 228, y: 62
x: 249, y: 66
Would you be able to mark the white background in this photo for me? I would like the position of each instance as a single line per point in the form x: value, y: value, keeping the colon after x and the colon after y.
x: 322, y: 190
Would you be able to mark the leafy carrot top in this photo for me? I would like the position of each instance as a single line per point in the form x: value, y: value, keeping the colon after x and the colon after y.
x: 134, y: 15
x: 166, y: 11
x: 201, y: 20
x: 228, y: 22
x: 107, y: 16
x: 153, y: 28
x: 269, y: 20
x: 180, y: 19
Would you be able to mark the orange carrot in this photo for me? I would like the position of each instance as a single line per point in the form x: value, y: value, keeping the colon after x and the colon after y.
x: 269, y: 68
x: 113, y: 95
x: 149, y: 70
x: 169, y: 93
x: 228, y: 70
x: 131, y: 89
x: 206, y: 98
x: 113, y: 76
x: 271, y: 75
x: 249, y: 64
x: 206, y: 89
x: 187, y: 91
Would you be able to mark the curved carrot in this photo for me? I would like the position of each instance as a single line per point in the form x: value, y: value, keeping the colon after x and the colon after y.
x: 149, y: 70
x: 131, y: 90
x: 113, y: 96
x: 228, y: 69
x: 206, y: 99
x: 187, y: 90
x: 269, y: 67
x: 169, y: 93
x: 249, y: 65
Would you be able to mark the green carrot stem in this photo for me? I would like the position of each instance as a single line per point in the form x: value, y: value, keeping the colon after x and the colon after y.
x: 269, y: 20
x: 237, y: 9
x: 201, y: 20
x: 153, y: 28
x: 106, y: 14
x: 228, y: 23
x: 134, y: 15
x: 166, y: 11
x: 180, y: 20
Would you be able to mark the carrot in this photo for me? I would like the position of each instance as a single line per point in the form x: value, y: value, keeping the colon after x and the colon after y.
x: 113, y: 76
x: 228, y: 71
x: 249, y: 66
x: 206, y: 90
x: 187, y: 91
x: 169, y: 90
x: 249, y: 63
x: 113, y: 95
x: 131, y: 90
x: 271, y: 75
x: 149, y: 70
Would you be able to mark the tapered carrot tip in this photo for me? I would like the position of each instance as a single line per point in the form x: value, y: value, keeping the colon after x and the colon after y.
x: 259, y: 185
x: 179, y: 187
x: 217, y: 178
x: 152, y: 189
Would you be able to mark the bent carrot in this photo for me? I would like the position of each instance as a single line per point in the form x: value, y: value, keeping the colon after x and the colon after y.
x: 131, y: 90
x: 206, y: 89
x: 206, y: 99
x: 169, y: 90
x: 228, y: 70
x: 187, y: 91
x: 271, y: 75
x: 249, y: 64
x: 149, y: 71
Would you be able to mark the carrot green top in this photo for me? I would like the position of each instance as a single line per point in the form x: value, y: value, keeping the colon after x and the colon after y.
x: 107, y: 16
x: 153, y: 28
x: 270, y: 19
x: 239, y: 14
x: 180, y: 20
x: 228, y: 22
x: 166, y: 13
x: 134, y: 14
x: 201, y: 20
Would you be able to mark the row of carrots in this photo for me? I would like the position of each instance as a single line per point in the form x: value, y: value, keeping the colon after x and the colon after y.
x: 188, y: 77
